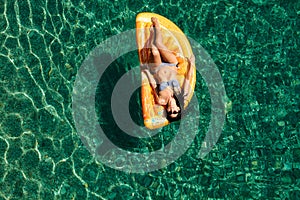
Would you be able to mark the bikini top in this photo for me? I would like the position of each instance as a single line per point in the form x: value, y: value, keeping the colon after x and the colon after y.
x: 172, y: 83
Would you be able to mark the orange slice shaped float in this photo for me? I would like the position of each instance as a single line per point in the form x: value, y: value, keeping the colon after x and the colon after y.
x: 155, y: 115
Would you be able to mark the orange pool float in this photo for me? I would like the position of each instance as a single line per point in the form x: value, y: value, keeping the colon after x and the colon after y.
x: 155, y: 115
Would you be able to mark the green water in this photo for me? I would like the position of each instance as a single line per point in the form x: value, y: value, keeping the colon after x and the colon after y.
x: 255, y: 45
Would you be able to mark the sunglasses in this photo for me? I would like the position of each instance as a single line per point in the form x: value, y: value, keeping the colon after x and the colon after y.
x: 174, y: 112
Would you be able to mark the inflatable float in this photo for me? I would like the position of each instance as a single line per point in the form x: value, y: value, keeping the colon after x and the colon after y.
x: 155, y: 115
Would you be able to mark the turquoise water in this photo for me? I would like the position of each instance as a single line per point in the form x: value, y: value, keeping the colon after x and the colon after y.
x: 255, y: 45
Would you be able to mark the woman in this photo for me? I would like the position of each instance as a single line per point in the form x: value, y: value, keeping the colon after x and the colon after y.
x: 164, y: 70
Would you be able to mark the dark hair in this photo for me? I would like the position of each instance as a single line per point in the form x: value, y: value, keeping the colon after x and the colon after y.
x: 180, y: 103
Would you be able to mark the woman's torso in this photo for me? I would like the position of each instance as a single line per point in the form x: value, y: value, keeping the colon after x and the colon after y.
x: 166, y: 73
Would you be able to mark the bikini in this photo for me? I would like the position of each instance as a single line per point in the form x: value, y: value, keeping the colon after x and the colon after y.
x: 163, y: 85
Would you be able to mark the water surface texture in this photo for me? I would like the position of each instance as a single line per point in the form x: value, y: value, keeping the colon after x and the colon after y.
x: 255, y: 45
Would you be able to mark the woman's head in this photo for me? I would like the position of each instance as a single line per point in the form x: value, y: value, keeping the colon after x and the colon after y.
x: 174, y: 108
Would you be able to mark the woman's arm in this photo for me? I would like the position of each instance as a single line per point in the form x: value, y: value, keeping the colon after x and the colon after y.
x: 153, y: 84
x: 186, y: 84
x: 191, y: 61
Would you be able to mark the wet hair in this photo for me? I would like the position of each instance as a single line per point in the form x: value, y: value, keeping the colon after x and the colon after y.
x: 180, y: 103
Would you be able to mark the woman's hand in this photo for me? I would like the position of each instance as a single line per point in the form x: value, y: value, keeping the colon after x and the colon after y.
x: 191, y: 60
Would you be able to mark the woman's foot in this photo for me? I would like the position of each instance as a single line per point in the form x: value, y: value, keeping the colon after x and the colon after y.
x: 155, y: 23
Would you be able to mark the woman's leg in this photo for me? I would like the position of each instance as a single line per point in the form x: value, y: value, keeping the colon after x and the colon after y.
x: 166, y: 54
x: 156, y: 56
x: 155, y: 52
